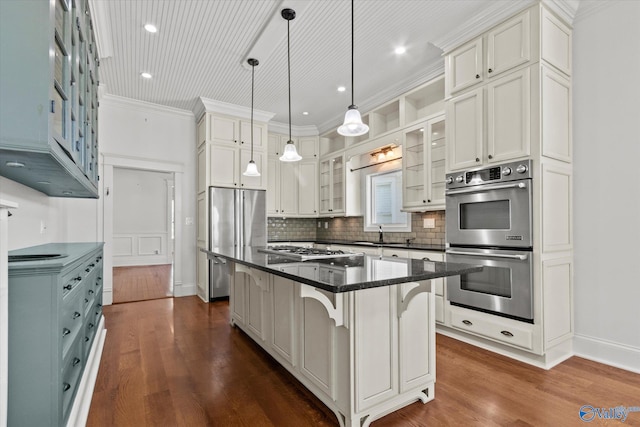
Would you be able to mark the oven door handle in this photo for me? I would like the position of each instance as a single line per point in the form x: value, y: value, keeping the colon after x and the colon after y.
x: 520, y: 257
x: 487, y: 188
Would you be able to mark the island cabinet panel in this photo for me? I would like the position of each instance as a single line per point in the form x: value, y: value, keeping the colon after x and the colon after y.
x: 255, y: 306
x: 283, y: 309
x: 237, y: 300
x: 376, y: 334
x: 317, y: 346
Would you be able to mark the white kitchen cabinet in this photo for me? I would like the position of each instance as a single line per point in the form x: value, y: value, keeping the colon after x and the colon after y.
x: 507, y: 120
x: 276, y: 143
x: 506, y: 46
x: 253, y: 182
x: 282, y: 189
x: 423, y: 166
x: 465, y: 130
x: 233, y: 131
x: 307, y: 181
x: 227, y: 164
x: 283, y: 307
x: 332, y: 185
x: 307, y: 146
x: 438, y: 284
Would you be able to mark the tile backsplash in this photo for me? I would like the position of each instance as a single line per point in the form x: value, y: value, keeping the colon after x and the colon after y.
x: 352, y: 228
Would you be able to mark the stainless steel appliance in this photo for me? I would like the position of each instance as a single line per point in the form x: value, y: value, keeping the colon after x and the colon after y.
x: 303, y: 254
x: 489, y: 222
x: 237, y: 218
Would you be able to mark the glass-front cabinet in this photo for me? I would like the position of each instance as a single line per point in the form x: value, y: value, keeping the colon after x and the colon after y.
x: 423, y: 174
x: 49, y: 102
x: 332, y: 186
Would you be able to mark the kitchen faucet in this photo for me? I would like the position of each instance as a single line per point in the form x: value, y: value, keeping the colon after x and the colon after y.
x: 380, y: 237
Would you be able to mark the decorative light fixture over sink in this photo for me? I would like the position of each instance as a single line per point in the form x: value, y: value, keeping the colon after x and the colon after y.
x: 353, y: 125
x: 290, y: 153
x: 252, y: 168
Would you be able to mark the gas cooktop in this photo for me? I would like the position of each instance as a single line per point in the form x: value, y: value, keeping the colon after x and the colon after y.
x: 304, y: 254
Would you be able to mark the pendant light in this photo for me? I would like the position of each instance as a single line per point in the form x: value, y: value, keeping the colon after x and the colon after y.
x: 352, y: 125
x: 252, y: 168
x: 290, y: 153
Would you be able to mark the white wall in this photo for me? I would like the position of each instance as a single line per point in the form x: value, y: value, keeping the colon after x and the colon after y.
x: 65, y: 220
x: 606, y: 123
x: 153, y: 133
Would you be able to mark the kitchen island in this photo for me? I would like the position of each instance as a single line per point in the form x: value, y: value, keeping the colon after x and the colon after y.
x: 358, y: 331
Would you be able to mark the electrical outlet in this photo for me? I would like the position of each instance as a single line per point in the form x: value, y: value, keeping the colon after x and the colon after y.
x: 43, y: 227
x: 429, y: 223
x: 319, y: 224
x: 188, y: 221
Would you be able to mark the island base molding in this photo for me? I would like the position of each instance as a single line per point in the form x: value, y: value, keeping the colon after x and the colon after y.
x: 363, y: 353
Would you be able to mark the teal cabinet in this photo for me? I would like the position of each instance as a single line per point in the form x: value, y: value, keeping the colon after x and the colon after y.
x: 49, y: 102
x: 55, y: 309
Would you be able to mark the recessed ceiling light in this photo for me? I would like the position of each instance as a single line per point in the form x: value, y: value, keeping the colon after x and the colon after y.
x: 145, y: 75
x: 400, y: 50
x: 434, y: 143
x: 151, y: 28
x: 341, y: 88
x: 421, y: 129
x: 305, y: 113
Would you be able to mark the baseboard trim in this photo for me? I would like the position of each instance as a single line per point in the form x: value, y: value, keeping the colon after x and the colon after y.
x: 82, y: 403
x: 107, y: 297
x: 140, y: 261
x: 609, y: 353
x: 184, y: 290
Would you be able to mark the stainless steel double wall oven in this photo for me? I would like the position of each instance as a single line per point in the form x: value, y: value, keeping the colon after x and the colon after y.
x: 489, y: 222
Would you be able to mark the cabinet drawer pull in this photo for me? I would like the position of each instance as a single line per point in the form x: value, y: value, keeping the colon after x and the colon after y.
x: 67, y: 287
x: 91, y: 325
x: 490, y: 156
x: 92, y: 265
x: 91, y: 292
x: 394, y: 256
x: 477, y: 159
x: 490, y: 70
x: 477, y: 76
x: 75, y: 361
x: 86, y: 339
x: 97, y: 283
x: 87, y: 270
x: 426, y: 258
x: 66, y: 332
x: 76, y: 315
x: 66, y: 386
x: 467, y: 322
x: 86, y: 300
x: 77, y: 279
x: 506, y: 333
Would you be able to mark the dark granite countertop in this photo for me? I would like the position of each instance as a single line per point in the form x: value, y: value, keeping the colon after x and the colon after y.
x: 410, y: 246
x: 347, y: 273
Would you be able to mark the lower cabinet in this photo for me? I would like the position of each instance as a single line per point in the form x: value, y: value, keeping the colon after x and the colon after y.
x: 362, y: 353
x: 55, y: 314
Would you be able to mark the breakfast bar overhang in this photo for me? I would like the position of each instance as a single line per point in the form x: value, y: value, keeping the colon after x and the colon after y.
x: 358, y: 331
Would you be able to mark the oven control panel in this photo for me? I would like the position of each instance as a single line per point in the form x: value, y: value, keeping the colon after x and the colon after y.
x: 513, y: 171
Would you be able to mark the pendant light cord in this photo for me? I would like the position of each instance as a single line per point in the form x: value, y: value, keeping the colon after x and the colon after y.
x: 352, y: 48
x: 253, y: 70
x: 289, y: 75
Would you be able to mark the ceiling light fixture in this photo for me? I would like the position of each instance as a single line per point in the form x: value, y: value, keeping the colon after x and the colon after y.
x: 151, y: 28
x: 305, y: 113
x: 252, y: 168
x: 352, y: 125
x: 383, y: 153
x: 341, y: 88
x: 400, y: 50
x: 290, y: 153
x: 145, y: 75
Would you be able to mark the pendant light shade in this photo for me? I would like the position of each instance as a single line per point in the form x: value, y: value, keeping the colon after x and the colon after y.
x: 290, y: 153
x: 353, y: 125
x: 252, y: 168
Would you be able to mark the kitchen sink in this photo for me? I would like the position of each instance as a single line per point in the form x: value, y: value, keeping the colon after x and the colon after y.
x: 34, y: 257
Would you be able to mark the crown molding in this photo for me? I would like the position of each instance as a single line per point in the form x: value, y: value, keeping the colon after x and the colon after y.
x: 104, y: 40
x: 591, y: 7
x: 283, y: 128
x: 565, y: 9
x: 136, y: 105
x: 213, y: 106
x: 491, y: 15
x: 428, y: 73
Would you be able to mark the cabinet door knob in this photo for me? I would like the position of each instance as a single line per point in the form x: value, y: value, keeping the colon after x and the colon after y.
x: 424, y: 201
x: 490, y: 70
x: 477, y: 76
x: 477, y: 159
x: 428, y: 200
x: 65, y: 332
x: 490, y: 156
x: 66, y: 386
x: 75, y: 361
x: 76, y: 315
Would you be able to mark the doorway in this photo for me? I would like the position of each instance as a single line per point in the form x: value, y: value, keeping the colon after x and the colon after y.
x: 143, y: 234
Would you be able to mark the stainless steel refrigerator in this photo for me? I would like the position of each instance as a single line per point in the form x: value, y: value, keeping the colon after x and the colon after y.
x: 237, y: 218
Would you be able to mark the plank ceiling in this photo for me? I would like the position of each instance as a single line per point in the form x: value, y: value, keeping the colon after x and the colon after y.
x: 201, y: 46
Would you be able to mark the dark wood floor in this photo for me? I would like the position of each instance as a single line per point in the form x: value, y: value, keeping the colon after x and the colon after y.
x: 177, y: 362
x: 140, y: 283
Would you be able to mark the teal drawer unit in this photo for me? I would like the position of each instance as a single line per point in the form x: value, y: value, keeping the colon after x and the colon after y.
x: 55, y: 310
x: 49, y: 103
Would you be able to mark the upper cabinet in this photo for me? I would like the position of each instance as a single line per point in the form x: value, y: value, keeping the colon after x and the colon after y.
x: 507, y: 46
x: 423, y: 175
x: 508, y: 92
x: 49, y: 102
